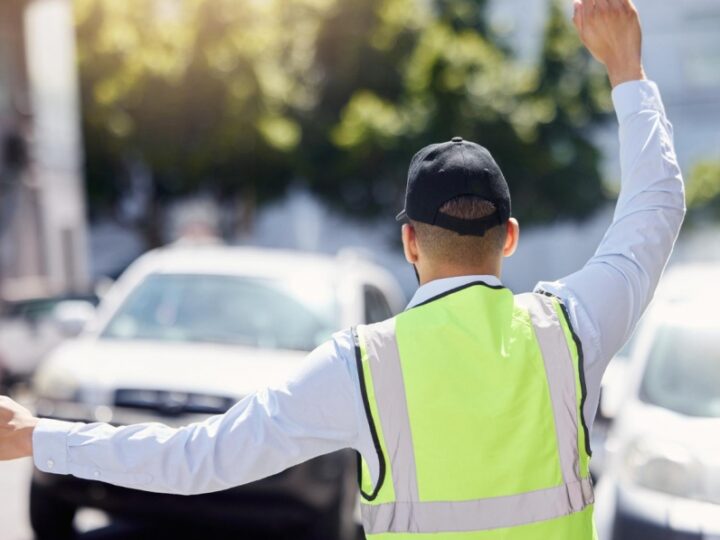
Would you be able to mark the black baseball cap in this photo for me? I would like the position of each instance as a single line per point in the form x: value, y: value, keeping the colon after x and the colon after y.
x: 441, y: 172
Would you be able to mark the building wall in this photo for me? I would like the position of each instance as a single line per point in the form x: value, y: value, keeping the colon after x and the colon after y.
x: 20, y: 236
x: 43, y: 246
x: 682, y: 53
x: 57, y: 143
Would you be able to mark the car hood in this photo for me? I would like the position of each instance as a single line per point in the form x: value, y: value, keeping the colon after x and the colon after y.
x: 663, y: 428
x: 94, y: 364
x: 639, y: 419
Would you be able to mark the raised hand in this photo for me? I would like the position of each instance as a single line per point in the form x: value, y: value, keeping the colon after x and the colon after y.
x: 16, y: 427
x: 610, y: 29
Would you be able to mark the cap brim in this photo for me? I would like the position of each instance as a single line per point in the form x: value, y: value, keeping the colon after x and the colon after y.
x: 402, y: 216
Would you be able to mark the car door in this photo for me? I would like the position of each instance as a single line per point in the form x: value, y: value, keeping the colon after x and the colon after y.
x: 376, y: 305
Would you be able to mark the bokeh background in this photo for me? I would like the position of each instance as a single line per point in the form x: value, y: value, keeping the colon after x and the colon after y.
x: 290, y: 124
x: 129, y: 125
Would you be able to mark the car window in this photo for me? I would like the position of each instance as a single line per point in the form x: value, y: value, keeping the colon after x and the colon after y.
x: 683, y: 371
x: 226, y: 309
x: 39, y: 308
x: 625, y: 353
x: 377, y: 307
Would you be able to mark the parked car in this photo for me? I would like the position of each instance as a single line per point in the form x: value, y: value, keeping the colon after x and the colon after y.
x: 612, y: 391
x: 680, y: 283
x: 663, y: 475
x: 30, y: 328
x: 184, y: 334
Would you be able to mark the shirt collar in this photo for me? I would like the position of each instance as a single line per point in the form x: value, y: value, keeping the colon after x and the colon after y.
x: 440, y: 286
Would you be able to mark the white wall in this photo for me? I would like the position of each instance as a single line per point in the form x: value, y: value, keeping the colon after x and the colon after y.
x: 50, y: 44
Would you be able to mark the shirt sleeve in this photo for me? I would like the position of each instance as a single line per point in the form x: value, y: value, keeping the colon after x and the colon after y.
x: 315, y: 412
x: 607, y: 297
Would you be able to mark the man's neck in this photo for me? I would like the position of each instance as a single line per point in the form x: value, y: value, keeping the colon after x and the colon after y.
x: 433, y: 275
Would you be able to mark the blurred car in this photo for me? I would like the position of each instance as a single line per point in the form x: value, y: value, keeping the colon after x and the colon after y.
x: 184, y: 334
x: 663, y: 475
x: 612, y: 391
x: 31, y: 327
x: 680, y: 283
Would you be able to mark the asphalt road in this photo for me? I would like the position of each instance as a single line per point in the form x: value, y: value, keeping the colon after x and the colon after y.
x: 14, y: 486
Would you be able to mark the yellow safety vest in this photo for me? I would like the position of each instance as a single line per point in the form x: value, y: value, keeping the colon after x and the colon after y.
x: 474, y: 401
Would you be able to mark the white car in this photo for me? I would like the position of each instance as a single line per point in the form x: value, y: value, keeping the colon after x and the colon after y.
x: 663, y: 451
x: 680, y: 283
x: 187, y: 332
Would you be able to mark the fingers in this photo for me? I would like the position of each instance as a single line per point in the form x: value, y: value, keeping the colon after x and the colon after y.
x: 614, y: 6
x: 626, y: 5
x: 577, y: 15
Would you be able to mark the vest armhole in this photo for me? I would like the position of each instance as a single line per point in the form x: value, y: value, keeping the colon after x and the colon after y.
x: 371, y: 423
x: 581, y: 369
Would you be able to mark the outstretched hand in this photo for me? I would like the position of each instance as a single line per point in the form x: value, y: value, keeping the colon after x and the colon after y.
x: 16, y: 428
x: 610, y: 29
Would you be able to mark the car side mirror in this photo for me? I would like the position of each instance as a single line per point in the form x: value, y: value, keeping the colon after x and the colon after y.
x: 103, y: 286
x: 71, y: 316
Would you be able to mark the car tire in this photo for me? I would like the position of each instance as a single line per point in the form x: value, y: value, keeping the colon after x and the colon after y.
x: 51, y: 517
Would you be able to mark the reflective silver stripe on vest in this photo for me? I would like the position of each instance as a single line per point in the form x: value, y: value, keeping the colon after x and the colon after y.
x: 408, y: 514
x: 477, y: 515
x: 561, y: 378
x: 389, y: 386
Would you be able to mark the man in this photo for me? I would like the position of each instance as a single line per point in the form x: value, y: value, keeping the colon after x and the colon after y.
x: 472, y: 409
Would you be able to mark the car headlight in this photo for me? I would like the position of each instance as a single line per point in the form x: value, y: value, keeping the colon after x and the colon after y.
x: 56, y: 385
x: 663, y: 466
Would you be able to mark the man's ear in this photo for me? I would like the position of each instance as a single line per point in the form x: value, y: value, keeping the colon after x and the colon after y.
x: 512, y: 237
x: 409, y: 240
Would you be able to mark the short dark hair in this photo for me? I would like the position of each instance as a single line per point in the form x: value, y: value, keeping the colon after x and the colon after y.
x: 447, y: 245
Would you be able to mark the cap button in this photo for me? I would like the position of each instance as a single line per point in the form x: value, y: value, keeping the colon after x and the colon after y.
x: 457, y: 139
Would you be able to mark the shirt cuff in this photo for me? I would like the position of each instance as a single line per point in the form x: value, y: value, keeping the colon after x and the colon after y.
x: 634, y: 96
x: 50, y: 453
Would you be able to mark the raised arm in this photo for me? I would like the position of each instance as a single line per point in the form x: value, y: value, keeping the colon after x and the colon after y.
x: 607, y: 297
x: 314, y: 413
x: 610, y: 29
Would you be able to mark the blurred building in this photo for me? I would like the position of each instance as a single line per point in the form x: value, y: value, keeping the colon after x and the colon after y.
x: 42, y: 210
x: 681, y: 52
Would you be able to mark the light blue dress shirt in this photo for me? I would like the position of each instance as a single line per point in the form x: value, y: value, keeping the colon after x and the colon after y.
x: 319, y: 410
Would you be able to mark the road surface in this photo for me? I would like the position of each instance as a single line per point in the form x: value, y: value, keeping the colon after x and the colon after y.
x: 14, y: 486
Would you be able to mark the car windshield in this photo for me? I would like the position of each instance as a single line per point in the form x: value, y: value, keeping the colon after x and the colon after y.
x: 683, y: 371
x: 227, y: 309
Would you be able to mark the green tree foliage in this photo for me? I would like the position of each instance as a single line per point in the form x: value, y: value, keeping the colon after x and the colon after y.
x: 703, y: 190
x: 248, y: 97
x: 201, y: 90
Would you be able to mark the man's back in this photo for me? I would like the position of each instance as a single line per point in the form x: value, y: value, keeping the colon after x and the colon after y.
x: 473, y: 400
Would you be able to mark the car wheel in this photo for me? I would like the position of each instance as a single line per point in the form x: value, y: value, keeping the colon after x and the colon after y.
x: 50, y: 516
